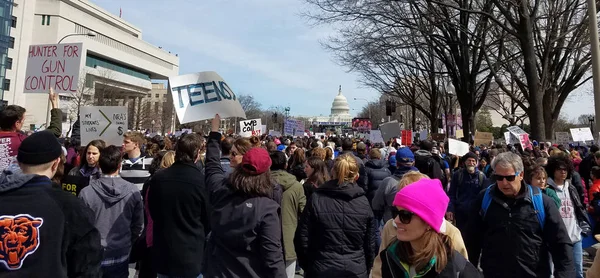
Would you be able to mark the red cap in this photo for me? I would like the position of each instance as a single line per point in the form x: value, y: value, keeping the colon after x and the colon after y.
x: 256, y: 161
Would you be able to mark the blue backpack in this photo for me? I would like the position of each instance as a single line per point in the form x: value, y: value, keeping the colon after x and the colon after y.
x: 538, y: 203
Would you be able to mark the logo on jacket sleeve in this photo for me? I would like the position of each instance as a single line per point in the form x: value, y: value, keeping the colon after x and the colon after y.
x: 19, y: 238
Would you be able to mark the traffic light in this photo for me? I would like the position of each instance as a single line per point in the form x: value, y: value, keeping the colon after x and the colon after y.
x: 388, y: 108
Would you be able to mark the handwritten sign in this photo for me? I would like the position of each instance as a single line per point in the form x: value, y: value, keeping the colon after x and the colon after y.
x: 108, y: 123
x: 250, y: 128
x: 521, y: 135
x: 53, y: 66
x: 199, y: 96
x: 563, y: 138
x: 582, y: 134
x: 456, y: 147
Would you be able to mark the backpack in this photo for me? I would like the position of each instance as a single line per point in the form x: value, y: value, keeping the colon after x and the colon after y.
x: 460, y: 180
x: 538, y: 203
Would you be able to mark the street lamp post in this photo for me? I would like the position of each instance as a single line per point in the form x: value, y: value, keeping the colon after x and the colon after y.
x: 595, y: 50
x: 368, y: 104
x: 450, y: 93
x: 88, y: 34
x: 591, y: 119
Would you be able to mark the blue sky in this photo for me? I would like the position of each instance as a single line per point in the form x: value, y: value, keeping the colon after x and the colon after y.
x: 260, y: 47
x: 263, y: 48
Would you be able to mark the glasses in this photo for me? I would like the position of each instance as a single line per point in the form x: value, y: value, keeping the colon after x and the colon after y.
x: 561, y: 169
x: 404, y: 216
x: 508, y: 178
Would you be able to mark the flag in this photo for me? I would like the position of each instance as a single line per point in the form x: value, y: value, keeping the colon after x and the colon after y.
x: 120, y: 12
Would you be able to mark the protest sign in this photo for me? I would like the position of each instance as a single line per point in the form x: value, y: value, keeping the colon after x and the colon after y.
x: 457, y: 147
x: 521, y: 135
x: 459, y: 134
x: 54, y: 66
x: 483, y: 138
x: 375, y: 137
x: 108, y: 123
x: 389, y: 130
x: 274, y: 133
x: 439, y: 137
x: 319, y: 134
x: 407, y: 137
x: 582, y: 134
x: 563, y: 138
x: 249, y: 128
x: 423, y: 134
x: 199, y: 96
x: 74, y: 184
x: 263, y: 129
x: 361, y: 124
x: 299, y: 133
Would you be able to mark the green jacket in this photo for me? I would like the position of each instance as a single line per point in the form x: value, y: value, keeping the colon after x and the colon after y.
x: 552, y: 194
x: 292, y: 205
x: 55, y: 122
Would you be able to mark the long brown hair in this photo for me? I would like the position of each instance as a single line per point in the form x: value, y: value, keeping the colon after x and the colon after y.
x: 298, y: 158
x: 251, y: 185
x: 436, y: 245
x: 242, y: 145
x: 320, y: 174
x: 345, y: 169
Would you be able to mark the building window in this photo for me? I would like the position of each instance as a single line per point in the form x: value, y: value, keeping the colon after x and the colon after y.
x: 6, y: 86
x: 11, y: 42
x: 13, y: 22
x: 46, y: 20
x: 93, y: 61
x: 156, y: 96
x: 8, y: 63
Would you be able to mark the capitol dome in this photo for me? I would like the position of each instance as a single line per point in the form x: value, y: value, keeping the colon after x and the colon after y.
x: 340, y: 104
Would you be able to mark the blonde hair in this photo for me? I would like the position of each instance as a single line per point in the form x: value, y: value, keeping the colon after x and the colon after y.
x: 135, y: 137
x: 345, y: 169
x: 318, y: 152
x: 436, y: 245
x: 167, y: 160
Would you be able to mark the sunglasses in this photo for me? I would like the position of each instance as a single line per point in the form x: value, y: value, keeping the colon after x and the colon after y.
x: 508, y: 178
x: 404, y: 216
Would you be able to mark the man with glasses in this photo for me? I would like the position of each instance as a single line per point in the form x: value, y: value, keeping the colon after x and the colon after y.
x: 512, y: 240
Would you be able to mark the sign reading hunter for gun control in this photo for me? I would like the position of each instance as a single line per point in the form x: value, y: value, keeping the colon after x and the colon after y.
x: 53, y: 66
x: 108, y: 123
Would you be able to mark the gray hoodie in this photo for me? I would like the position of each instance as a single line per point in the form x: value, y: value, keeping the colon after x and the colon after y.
x: 118, y: 207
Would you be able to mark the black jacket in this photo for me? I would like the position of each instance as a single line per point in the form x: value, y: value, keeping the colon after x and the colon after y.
x: 336, y: 234
x: 511, y: 240
x: 246, y: 236
x: 428, y: 165
x: 457, y: 266
x: 585, y: 167
x: 53, y: 231
x: 377, y: 170
x: 178, y: 204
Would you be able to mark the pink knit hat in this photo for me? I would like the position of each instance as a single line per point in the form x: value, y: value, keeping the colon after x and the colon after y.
x: 427, y: 199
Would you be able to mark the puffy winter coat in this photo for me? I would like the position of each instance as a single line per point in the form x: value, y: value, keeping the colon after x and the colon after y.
x: 336, y: 234
x: 377, y: 171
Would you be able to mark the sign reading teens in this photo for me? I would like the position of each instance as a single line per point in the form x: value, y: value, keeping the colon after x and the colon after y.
x: 53, y: 66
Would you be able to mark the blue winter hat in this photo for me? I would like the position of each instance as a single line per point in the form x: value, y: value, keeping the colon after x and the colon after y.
x: 281, y: 148
x: 405, y: 155
x: 392, y: 160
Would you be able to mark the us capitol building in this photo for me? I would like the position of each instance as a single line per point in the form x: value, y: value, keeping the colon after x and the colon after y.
x: 339, y: 118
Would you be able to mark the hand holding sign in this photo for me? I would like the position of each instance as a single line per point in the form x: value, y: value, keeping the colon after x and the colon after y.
x: 216, y: 122
x: 53, y: 97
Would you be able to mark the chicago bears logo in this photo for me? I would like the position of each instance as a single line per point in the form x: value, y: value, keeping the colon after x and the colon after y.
x: 19, y: 238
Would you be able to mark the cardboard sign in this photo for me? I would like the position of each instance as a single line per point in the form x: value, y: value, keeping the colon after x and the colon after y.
x: 54, y: 66
x: 73, y: 184
x: 563, y: 138
x: 199, y: 96
x: 483, y: 138
x: 407, y: 137
x: 582, y: 134
x: 249, y: 128
x: 457, y: 147
x: 108, y: 123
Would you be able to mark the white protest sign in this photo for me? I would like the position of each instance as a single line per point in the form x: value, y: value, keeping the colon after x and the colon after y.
x: 199, y: 96
x: 274, y: 133
x: 456, y: 147
x: 582, y: 134
x: 563, y: 138
x: 263, y: 129
x: 108, y: 123
x: 249, y: 128
x: 54, y: 66
x: 423, y: 134
x: 375, y: 137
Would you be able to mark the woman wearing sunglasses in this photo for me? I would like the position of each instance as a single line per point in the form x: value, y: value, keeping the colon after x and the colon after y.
x: 422, y: 250
x: 336, y: 232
